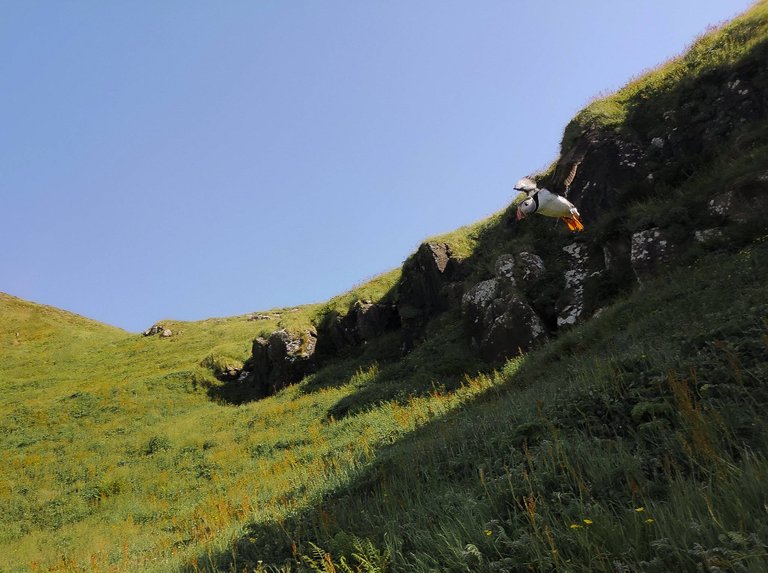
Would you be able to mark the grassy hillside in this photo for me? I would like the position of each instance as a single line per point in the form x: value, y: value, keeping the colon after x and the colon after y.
x: 634, y: 442
x: 116, y: 454
x: 145, y: 472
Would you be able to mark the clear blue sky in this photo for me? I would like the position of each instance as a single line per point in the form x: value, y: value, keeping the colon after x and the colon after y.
x: 186, y: 159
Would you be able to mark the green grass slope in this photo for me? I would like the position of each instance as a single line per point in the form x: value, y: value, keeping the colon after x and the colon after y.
x: 634, y: 442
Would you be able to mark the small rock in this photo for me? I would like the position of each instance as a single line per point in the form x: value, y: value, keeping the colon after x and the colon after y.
x: 657, y: 142
x: 166, y: 333
x: 261, y: 317
x: 707, y: 235
x: 154, y: 329
x: 570, y: 306
x: 529, y: 268
x: 505, y: 268
x: 720, y: 204
x: 651, y: 249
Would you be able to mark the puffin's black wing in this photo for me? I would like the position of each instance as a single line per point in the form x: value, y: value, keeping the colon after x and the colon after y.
x: 525, y: 188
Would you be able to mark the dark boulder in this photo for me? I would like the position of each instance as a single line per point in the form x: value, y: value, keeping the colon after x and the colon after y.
x: 529, y: 270
x: 499, y: 322
x: 596, y: 164
x: 570, y: 305
x: 651, y: 250
x: 363, y: 322
x: 282, y: 359
x: 154, y: 329
x: 430, y: 284
x: 745, y: 201
x: 374, y: 319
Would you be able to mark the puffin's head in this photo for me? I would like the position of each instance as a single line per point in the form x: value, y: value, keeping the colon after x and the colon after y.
x: 526, y: 208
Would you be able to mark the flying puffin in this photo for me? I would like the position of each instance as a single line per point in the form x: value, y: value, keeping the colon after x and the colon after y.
x: 532, y: 200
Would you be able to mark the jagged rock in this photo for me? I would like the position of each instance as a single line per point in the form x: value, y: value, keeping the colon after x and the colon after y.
x: 529, y: 269
x: 282, y: 359
x: 260, y: 365
x: 504, y: 269
x: 570, y: 305
x: 597, y: 162
x: 374, y: 319
x: 500, y: 324
x: 747, y: 200
x: 424, y: 289
x: 365, y: 321
x: 651, y: 249
x: 154, y: 329
x: 708, y: 235
x: 523, y: 269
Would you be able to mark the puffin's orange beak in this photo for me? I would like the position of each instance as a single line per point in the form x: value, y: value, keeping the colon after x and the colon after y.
x: 520, y: 214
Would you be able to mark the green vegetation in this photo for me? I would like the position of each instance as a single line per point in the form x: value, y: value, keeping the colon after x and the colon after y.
x: 634, y: 442
x: 718, y: 52
x: 122, y: 472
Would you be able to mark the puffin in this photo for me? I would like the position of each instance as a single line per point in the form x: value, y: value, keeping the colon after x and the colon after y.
x: 532, y: 200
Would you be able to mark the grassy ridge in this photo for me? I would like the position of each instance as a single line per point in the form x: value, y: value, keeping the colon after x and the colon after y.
x: 719, y: 50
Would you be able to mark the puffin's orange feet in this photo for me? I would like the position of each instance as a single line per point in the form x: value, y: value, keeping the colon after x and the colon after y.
x: 574, y: 224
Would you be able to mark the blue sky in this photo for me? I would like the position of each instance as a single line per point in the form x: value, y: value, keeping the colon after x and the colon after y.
x: 195, y: 159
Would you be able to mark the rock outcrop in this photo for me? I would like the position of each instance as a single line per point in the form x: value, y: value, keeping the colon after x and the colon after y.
x: 282, y: 359
x: 745, y: 200
x: 498, y: 320
x: 651, y: 250
x: 154, y: 329
x: 431, y: 283
x: 570, y: 305
x: 364, y: 321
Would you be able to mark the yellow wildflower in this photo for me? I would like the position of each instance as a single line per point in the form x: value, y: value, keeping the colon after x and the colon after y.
x: 488, y: 532
x: 575, y: 526
x: 649, y: 520
x: 587, y: 521
x: 639, y: 509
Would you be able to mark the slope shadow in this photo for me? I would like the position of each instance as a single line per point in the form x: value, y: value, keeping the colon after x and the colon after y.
x: 279, y: 543
x: 234, y: 392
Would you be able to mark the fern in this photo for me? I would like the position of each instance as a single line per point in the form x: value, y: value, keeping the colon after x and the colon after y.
x: 369, y: 559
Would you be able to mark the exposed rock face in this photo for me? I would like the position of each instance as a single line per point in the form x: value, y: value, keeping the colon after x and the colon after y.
x: 283, y: 359
x: 570, y: 306
x: 746, y: 200
x: 374, y: 319
x: 364, y: 322
x: 708, y: 235
x: 651, y: 249
x: 597, y: 163
x: 498, y: 320
x: 430, y: 284
x: 529, y: 269
x: 504, y: 269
